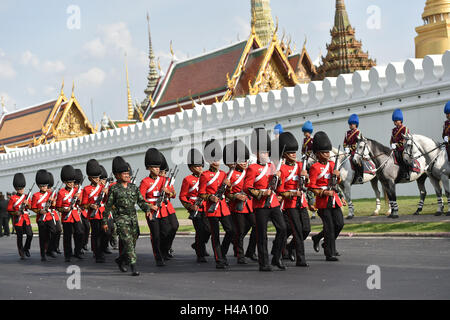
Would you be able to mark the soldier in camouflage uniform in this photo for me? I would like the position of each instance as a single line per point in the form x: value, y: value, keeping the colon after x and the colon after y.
x: 123, y: 197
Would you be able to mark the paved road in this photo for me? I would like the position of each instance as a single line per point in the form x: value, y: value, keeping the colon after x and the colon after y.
x: 410, y: 269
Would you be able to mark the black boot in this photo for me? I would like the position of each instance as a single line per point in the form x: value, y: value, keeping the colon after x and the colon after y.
x: 279, y: 264
x: 134, y: 272
x: 121, y: 265
x: 301, y: 262
x: 316, y: 243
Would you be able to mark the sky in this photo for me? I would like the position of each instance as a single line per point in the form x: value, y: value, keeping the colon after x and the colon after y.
x: 43, y: 42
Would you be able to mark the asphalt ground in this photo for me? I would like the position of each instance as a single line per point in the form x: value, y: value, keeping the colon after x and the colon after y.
x: 409, y: 268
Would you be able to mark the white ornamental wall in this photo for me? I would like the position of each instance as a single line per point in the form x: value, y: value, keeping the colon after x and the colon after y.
x: 420, y: 87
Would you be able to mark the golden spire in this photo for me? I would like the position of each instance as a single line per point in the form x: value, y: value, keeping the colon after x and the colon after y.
x: 130, y: 102
x: 62, y: 88
x: 73, y: 89
x: 262, y: 22
x: 3, y: 105
x: 433, y: 37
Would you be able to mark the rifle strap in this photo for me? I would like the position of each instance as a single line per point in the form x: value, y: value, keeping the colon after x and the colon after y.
x: 210, y: 182
x: 263, y: 173
x: 20, y: 200
x: 324, y: 172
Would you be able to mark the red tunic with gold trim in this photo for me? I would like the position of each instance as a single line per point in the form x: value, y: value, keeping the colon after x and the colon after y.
x: 189, y: 191
x: 258, y: 177
x: 90, y: 195
x: 209, y: 184
x: 319, y: 177
x: 150, y: 189
x: 290, y: 177
x: 38, y: 201
x: 237, y: 186
x: 14, y: 205
x: 64, y: 200
x: 397, y: 137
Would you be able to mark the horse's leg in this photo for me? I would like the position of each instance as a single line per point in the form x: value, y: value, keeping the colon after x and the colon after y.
x: 374, y: 183
x: 346, y: 190
x: 387, y: 201
x: 423, y: 193
x: 437, y: 188
x: 390, y: 190
x: 445, y: 182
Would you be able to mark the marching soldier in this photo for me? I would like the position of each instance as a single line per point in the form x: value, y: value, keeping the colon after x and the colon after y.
x: 308, y: 140
x: 85, y: 225
x: 446, y: 132
x: 110, y: 237
x: 239, y: 203
x: 90, y: 202
x: 54, y: 241
x: 123, y: 196
x: 327, y: 200
x: 265, y: 202
x: 172, y: 217
x: 66, y: 204
x: 190, y: 199
x: 44, y: 218
x: 150, y: 189
x: 350, y: 143
x: 294, y: 199
x: 17, y: 208
x: 216, y: 208
x: 398, y: 141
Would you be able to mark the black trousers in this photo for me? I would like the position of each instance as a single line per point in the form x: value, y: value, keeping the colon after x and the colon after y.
x: 295, y: 228
x: 57, y: 236
x: 263, y: 216
x: 305, y: 222
x: 159, y: 231
x: 47, y: 231
x: 221, y: 250
x: 4, y: 225
x: 333, y: 222
x: 86, y: 230
x: 202, y: 234
x: 174, y: 225
x: 98, y: 237
x: 243, y: 223
x: 20, y: 231
x: 74, y: 229
x: 108, y: 235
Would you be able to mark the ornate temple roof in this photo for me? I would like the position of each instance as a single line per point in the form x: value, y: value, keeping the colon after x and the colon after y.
x: 345, y: 53
x: 53, y: 120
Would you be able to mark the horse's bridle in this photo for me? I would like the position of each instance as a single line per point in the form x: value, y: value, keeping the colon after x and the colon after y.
x: 371, y: 154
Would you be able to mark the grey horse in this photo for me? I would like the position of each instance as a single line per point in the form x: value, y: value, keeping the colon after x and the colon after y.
x: 437, y: 167
x: 387, y: 168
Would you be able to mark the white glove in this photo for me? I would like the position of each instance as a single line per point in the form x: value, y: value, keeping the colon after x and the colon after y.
x: 446, y: 139
x: 393, y: 146
x: 347, y: 150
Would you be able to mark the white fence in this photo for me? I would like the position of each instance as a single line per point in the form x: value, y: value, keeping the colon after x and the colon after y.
x: 420, y: 87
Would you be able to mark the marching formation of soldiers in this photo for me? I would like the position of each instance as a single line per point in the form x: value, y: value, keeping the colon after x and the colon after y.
x: 242, y: 201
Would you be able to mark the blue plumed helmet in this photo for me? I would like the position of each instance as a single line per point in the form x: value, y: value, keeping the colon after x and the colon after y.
x: 278, y: 129
x: 447, y: 108
x: 397, y: 115
x: 354, y: 119
x: 308, y: 127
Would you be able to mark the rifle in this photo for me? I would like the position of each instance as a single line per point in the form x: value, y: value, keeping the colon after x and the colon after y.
x: 49, y: 203
x: 22, y: 205
x: 135, y: 176
x: 274, y: 182
x: 240, y: 204
x: 162, y: 194
x: 197, y: 203
x: 334, y: 181
x: 172, y: 181
x: 74, y: 201
x: 100, y: 197
x: 220, y: 192
x: 301, y: 182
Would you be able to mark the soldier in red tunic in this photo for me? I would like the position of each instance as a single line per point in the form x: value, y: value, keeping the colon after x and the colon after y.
x: 58, y: 226
x: 216, y: 208
x: 44, y: 217
x: 90, y: 201
x: 85, y: 224
x: 66, y: 204
x: 398, y: 143
x: 327, y: 200
x: 172, y: 220
x: 190, y: 199
x: 294, y: 202
x: 150, y: 189
x: 17, y: 208
x: 446, y: 132
x: 237, y: 154
x: 266, y: 206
